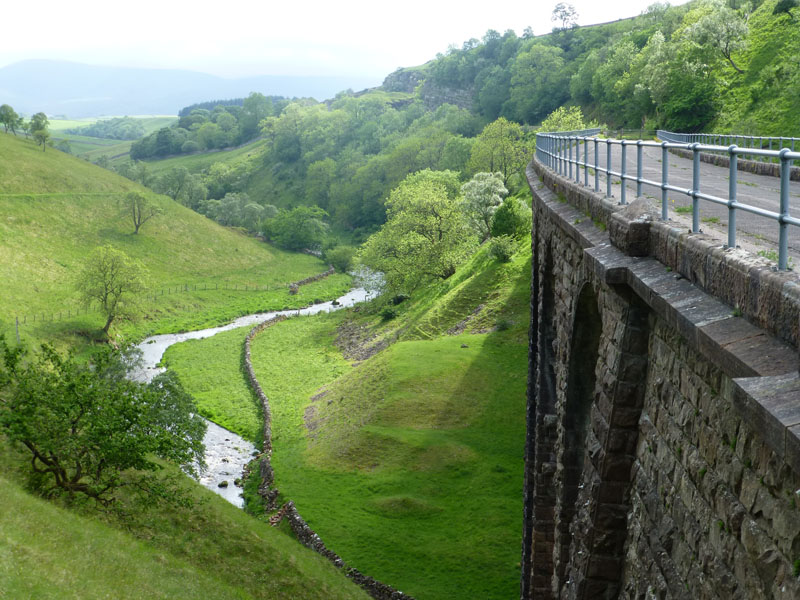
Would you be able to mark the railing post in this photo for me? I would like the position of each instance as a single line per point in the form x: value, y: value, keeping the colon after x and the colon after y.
x: 732, y: 196
x: 577, y: 159
x: 596, y: 166
x: 586, y: 161
x: 623, y: 172
x: 783, y: 233
x: 608, y: 169
x: 569, y: 150
x: 639, y: 168
x: 664, y: 180
x: 695, y: 188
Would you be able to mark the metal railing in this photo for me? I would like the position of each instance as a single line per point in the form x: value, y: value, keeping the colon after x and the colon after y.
x: 752, y: 142
x: 555, y: 150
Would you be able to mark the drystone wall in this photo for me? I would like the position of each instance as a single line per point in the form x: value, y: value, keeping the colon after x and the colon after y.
x: 266, y: 489
x: 663, y: 448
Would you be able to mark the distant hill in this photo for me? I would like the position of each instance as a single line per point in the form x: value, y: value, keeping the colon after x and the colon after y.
x: 79, y: 90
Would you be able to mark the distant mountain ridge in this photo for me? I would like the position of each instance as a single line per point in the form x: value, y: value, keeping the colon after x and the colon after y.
x: 80, y: 90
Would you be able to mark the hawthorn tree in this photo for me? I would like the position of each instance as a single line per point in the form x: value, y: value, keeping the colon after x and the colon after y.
x: 90, y: 429
x: 500, y: 147
x: 111, y: 281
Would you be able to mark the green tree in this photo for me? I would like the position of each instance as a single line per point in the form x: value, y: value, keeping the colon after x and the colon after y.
x: 112, y: 282
x: 140, y: 209
x: 500, y: 147
x: 565, y: 119
x: 9, y: 118
x: 39, y: 129
x: 512, y: 218
x: 539, y: 83
x: 426, y: 235
x: 482, y: 195
x: 719, y: 29
x: 300, y: 228
x: 87, y: 425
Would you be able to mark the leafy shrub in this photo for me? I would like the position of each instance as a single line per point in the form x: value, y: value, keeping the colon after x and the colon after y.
x: 190, y: 146
x: 400, y: 298
x: 512, y: 218
x: 388, y: 313
x: 341, y: 257
x: 502, y: 248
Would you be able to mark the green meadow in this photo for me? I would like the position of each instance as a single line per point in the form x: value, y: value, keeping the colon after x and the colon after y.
x: 409, y: 464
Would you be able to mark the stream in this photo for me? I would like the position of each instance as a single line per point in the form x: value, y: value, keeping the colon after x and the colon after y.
x: 226, y: 452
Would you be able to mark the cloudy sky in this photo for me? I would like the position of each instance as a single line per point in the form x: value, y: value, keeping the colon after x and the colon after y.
x: 263, y: 37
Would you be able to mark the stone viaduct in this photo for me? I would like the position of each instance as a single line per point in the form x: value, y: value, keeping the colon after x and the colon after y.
x: 663, y: 448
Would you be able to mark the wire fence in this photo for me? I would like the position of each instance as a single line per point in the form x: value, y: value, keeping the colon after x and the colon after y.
x: 561, y: 151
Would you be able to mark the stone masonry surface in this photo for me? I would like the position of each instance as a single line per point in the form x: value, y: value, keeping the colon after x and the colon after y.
x: 669, y: 467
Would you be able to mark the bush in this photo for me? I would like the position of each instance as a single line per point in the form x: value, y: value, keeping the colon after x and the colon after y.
x: 190, y: 146
x: 502, y: 248
x: 388, y: 313
x: 512, y: 218
x: 341, y: 257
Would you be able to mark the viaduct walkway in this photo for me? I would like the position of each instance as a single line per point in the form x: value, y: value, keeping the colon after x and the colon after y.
x: 663, y: 425
x: 757, y: 234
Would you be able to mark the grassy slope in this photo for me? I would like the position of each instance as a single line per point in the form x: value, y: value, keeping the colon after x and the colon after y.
x: 414, y: 475
x: 211, y: 369
x: 91, y: 148
x: 197, y: 162
x: 54, y: 209
x: 211, y: 551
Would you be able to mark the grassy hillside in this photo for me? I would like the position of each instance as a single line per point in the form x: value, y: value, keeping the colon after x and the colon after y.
x: 54, y: 209
x: 409, y: 464
x: 197, y: 162
x: 211, y: 551
x: 92, y: 148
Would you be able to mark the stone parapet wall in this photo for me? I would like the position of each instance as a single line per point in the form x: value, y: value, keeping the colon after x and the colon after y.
x: 663, y: 449
x: 769, y: 299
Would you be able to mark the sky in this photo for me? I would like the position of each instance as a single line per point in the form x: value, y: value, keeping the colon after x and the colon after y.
x: 365, y: 38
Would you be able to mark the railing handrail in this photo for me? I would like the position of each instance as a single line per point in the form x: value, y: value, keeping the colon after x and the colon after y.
x: 555, y: 150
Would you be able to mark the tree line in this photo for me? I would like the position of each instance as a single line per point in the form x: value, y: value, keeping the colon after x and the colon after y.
x: 200, y: 128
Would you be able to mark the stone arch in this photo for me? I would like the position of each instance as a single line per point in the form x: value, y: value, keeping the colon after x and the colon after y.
x: 574, y: 420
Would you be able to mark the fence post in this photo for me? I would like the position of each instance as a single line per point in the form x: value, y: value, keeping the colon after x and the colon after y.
x: 608, y: 169
x: 783, y: 233
x: 695, y: 188
x: 586, y: 162
x: 732, y: 196
x: 569, y: 149
x: 596, y: 166
x: 623, y: 173
x: 664, y: 180
x: 638, y: 168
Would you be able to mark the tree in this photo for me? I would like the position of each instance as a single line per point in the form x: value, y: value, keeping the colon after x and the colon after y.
x: 482, y: 195
x: 87, y: 425
x: 39, y: 129
x: 721, y: 29
x: 500, y: 147
x: 565, y: 119
x: 426, y: 235
x: 539, y: 83
x: 111, y: 281
x: 140, y: 208
x: 565, y: 14
x: 300, y: 228
x: 9, y: 118
x: 512, y: 219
